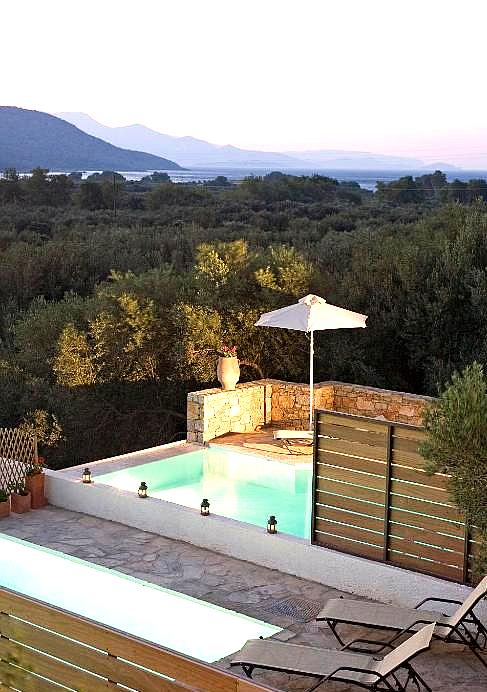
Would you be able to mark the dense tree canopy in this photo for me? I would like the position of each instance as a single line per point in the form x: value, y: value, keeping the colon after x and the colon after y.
x: 111, y: 313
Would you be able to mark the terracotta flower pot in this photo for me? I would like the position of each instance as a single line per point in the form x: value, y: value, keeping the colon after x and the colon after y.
x: 20, y: 503
x: 35, y: 484
x: 228, y: 372
x: 5, y: 508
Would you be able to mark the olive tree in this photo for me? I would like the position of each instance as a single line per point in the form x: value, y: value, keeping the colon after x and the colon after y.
x: 456, y: 444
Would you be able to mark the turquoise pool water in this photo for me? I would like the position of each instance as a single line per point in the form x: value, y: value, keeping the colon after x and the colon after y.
x: 162, y: 616
x: 240, y: 486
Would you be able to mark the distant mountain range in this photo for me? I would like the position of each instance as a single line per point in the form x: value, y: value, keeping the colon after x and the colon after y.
x: 187, y: 151
x: 31, y: 138
x: 74, y: 141
x: 441, y: 166
x: 197, y: 153
x: 337, y: 159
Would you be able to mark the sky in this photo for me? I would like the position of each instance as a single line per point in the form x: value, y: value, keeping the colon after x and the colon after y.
x: 386, y: 76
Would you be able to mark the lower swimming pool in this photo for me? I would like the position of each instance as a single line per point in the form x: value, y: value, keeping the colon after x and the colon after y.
x: 240, y: 486
x: 171, y: 619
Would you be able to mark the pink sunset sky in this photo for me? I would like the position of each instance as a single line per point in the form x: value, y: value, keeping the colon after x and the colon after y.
x: 370, y: 75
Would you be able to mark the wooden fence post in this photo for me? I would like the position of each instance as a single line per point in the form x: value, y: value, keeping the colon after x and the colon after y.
x: 466, y: 552
x: 387, y: 495
x: 317, y: 419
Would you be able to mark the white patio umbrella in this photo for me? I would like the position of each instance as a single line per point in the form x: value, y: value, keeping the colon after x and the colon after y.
x: 309, y: 314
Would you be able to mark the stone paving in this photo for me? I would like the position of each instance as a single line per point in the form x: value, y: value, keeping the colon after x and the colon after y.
x: 269, y: 595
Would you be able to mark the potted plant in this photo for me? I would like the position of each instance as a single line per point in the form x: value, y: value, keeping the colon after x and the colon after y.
x: 35, y: 483
x: 20, y: 498
x: 4, y: 503
x: 228, y: 369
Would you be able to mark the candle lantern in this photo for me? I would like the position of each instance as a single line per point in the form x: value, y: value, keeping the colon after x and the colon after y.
x: 142, y: 492
x: 272, y: 524
x: 86, y: 476
x: 205, y: 508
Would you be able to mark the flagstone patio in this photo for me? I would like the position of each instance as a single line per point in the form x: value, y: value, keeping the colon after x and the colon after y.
x: 269, y: 595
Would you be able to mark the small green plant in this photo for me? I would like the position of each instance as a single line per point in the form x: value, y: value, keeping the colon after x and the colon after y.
x: 19, y: 489
x: 456, y: 444
x: 36, y: 467
x: 4, y: 495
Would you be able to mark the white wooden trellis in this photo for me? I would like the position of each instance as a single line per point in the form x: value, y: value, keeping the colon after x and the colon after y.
x: 18, y: 451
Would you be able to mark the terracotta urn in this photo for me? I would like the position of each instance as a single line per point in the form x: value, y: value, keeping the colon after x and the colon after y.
x: 5, y: 508
x: 20, y: 503
x: 228, y: 372
x: 35, y: 484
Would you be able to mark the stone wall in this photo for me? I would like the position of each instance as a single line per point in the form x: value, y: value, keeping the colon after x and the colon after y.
x: 214, y: 412
x: 290, y: 402
x: 400, y: 407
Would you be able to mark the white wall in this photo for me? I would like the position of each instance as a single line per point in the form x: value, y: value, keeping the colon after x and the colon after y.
x: 248, y: 542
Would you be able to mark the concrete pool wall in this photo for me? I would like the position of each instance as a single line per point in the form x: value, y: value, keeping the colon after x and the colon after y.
x: 237, y: 539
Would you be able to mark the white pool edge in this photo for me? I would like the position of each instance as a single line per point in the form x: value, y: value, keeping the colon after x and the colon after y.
x: 66, y: 599
x: 283, y: 552
x: 142, y: 583
x: 130, y: 459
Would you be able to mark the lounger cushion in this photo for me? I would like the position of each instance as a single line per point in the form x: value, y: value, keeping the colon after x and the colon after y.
x: 407, y: 650
x: 293, y: 435
x: 470, y: 602
x: 306, y: 660
x: 378, y: 615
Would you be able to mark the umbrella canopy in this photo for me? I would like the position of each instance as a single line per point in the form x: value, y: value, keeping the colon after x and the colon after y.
x: 309, y: 314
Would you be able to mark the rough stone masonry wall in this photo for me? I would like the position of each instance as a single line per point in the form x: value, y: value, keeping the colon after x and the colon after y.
x: 290, y: 402
x: 400, y: 407
x: 214, y: 412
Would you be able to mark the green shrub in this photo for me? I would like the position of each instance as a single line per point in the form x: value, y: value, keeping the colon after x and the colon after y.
x: 456, y: 444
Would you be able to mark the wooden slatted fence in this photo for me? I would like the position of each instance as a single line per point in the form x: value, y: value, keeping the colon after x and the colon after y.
x: 45, y: 649
x: 371, y: 497
x: 18, y: 451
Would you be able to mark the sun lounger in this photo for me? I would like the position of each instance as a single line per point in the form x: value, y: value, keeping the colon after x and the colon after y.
x: 291, y: 437
x: 462, y: 627
x: 392, y: 672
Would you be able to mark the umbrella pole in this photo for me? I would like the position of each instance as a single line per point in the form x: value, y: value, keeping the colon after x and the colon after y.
x: 311, y: 359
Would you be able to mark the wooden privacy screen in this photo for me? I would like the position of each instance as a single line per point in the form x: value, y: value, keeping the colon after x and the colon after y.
x: 18, y: 451
x: 371, y: 497
x: 44, y: 649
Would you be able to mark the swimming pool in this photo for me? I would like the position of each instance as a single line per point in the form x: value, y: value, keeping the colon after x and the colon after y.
x: 171, y: 619
x: 240, y: 486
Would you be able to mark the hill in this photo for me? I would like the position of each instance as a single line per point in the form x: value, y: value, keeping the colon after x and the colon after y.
x: 441, y: 166
x: 32, y: 138
x: 187, y: 151
x: 192, y: 152
x: 357, y: 160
